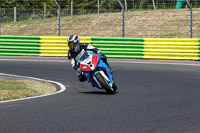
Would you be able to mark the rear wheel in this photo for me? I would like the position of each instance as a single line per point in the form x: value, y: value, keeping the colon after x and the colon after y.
x: 105, y: 84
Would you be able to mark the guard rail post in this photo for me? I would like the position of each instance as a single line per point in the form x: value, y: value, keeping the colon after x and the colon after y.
x: 190, y: 23
x: 122, y: 6
x: 0, y: 20
x: 58, y: 15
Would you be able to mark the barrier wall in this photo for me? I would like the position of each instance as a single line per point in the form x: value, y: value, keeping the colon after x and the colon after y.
x: 113, y: 47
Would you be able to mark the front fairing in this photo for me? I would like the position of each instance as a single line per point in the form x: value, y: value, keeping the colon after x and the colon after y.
x: 89, y: 63
x: 104, y: 66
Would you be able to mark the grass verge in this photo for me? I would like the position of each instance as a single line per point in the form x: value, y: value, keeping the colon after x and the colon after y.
x: 13, y: 89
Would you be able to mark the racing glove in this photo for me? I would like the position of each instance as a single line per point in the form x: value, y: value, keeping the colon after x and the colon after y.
x: 73, y: 62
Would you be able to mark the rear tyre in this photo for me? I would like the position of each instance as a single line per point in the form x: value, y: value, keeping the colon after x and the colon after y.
x: 105, y: 84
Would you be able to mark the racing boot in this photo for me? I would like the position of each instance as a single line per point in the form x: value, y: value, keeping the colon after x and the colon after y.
x: 111, y: 70
x: 104, y: 58
x: 81, y: 76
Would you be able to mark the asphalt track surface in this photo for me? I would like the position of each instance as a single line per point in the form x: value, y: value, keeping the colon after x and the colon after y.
x: 154, y: 96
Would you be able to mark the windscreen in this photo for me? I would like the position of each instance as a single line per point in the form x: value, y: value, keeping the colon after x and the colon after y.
x: 82, y: 55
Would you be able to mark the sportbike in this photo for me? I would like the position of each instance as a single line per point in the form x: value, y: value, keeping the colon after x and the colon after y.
x: 96, y: 71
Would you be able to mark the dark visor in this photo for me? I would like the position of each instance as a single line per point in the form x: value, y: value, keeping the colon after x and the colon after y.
x: 72, y: 45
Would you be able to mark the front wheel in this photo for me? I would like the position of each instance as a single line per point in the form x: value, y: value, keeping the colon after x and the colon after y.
x: 105, y: 84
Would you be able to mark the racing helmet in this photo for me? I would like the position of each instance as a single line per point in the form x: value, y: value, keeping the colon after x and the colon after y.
x: 72, y: 42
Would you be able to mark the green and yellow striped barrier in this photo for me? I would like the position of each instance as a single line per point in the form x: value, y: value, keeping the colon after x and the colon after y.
x: 148, y: 48
x: 113, y: 47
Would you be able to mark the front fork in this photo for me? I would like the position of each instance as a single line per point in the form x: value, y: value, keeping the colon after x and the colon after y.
x: 93, y: 75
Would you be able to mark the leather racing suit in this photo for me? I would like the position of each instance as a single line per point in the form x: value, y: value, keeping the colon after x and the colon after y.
x: 73, y: 53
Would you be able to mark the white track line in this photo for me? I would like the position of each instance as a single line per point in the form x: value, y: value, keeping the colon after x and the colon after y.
x: 62, y: 87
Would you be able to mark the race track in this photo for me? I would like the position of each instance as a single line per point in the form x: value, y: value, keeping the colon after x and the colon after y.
x: 154, y: 96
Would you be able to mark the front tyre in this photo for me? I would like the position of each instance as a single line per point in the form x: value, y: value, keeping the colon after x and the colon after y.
x: 105, y: 84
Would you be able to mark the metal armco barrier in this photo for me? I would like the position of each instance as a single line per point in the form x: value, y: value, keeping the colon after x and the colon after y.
x: 113, y: 47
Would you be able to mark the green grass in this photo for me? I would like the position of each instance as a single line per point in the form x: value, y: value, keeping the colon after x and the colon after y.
x: 13, y: 89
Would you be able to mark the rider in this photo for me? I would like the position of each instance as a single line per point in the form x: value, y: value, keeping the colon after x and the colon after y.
x: 75, y: 48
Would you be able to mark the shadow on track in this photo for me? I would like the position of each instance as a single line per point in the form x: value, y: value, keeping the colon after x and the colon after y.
x: 97, y: 93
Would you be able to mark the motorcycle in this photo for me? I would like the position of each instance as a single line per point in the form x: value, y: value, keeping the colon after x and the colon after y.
x: 96, y: 71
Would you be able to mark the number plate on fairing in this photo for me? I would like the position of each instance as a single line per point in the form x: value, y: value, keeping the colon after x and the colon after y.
x: 89, y: 63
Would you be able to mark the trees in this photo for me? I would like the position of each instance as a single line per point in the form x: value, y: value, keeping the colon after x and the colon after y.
x: 92, y: 4
x: 26, y: 3
x: 50, y: 3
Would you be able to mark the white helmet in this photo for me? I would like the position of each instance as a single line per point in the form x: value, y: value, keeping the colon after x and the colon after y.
x: 72, y: 42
